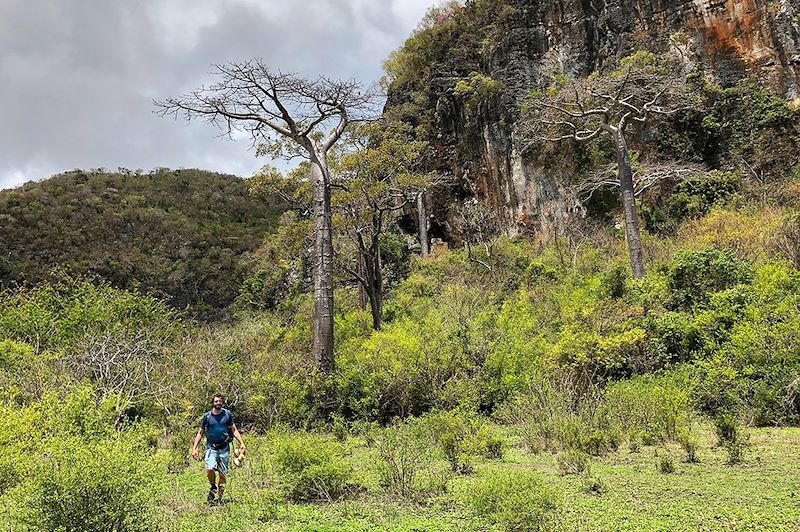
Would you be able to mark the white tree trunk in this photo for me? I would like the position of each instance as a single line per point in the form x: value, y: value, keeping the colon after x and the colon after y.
x: 422, y: 215
x: 323, y: 262
x: 632, y: 235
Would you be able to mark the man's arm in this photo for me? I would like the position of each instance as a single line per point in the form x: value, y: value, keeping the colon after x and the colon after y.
x: 197, y: 439
x: 238, y: 437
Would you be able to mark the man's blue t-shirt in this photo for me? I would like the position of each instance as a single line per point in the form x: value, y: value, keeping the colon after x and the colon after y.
x: 218, y: 428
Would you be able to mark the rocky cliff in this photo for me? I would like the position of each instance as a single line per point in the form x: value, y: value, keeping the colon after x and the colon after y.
x: 530, y: 39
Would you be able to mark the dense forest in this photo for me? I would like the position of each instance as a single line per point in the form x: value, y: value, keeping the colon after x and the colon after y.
x: 499, y: 361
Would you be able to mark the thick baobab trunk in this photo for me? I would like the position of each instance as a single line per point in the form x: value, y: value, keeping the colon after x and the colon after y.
x: 629, y: 205
x: 422, y: 214
x: 323, y: 263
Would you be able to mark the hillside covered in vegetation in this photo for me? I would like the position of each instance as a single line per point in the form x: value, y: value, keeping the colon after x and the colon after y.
x: 177, y: 234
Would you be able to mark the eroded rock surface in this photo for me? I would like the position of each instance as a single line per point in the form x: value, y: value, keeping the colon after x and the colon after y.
x: 733, y: 39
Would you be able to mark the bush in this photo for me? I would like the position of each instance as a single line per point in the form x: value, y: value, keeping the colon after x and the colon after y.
x: 666, y: 464
x: 180, y: 437
x: 519, y: 501
x: 82, y: 485
x: 689, y: 444
x: 694, y: 275
x: 489, y: 442
x: 405, y: 454
x: 544, y: 417
x: 695, y: 196
x: 310, y: 467
x: 25, y: 375
x: 674, y: 337
x: 731, y: 436
x: 653, y: 407
x: 727, y: 428
x: 573, y: 462
x: 454, y: 434
x: 61, y: 314
x: 594, y: 485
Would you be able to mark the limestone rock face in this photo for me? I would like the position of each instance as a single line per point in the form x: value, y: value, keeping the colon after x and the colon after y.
x: 733, y: 39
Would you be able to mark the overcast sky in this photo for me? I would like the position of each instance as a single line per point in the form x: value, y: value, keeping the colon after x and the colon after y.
x: 77, y: 77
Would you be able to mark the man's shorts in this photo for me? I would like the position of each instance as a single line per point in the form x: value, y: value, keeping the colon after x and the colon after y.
x: 218, y: 458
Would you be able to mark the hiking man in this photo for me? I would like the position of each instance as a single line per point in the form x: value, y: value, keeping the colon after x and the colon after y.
x: 219, y: 429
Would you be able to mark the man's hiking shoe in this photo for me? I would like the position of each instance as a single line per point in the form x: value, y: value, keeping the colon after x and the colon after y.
x: 212, y: 494
x: 221, y: 499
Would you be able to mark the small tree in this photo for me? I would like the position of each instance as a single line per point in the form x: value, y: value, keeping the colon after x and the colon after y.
x: 288, y: 115
x: 375, y: 181
x: 478, y: 224
x: 607, y: 104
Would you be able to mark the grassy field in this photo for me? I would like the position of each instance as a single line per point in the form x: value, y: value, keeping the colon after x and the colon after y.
x: 624, y: 490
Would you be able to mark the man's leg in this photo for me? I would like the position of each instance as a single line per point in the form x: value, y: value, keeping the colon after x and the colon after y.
x: 212, y: 491
x: 223, y: 459
x: 211, y: 464
x: 221, y: 488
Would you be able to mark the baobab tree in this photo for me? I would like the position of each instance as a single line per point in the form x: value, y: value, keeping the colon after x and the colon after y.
x: 289, y: 115
x: 606, y: 104
x: 375, y: 175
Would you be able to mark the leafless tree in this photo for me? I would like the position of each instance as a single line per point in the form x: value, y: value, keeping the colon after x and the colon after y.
x: 644, y: 177
x: 607, y: 104
x: 287, y: 115
x: 126, y: 363
x: 479, y: 225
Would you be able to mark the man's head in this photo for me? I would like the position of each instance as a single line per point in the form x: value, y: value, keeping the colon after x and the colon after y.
x: 218, y: 400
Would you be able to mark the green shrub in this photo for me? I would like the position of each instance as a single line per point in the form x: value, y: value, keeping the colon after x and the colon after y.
x: 538, y: 272
x: 634, y: 444
x: 731, y: 435
x: 310, y: 467
x: 694, y: 275
x: 405, y: 455
x: 277, y: 397
x: 544, y: 417
x: 674, y: 337
x: 694, y: 197
x: 573, y: 462
x: 489, y: 442
x: 180, y: 438
x: 736, y: 451
x: 652, y: 407
x: 598, y: 441
x: 100, y: 485
x: 727, y: 428
x: 593, y: 485
x: 689, y: 445
x: 518, y: 501
x: 613, y: 281
x: 753, y: 127
x: 453, y: 433
x: 23, y: 374
x: 666, y: 464
x: 61, y: 314
x: 648, y: 438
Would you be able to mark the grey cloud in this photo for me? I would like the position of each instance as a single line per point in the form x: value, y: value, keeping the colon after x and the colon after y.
x: 79, y: 76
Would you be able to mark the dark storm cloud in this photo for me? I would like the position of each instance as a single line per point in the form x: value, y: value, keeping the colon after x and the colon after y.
x: 79, y: 77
